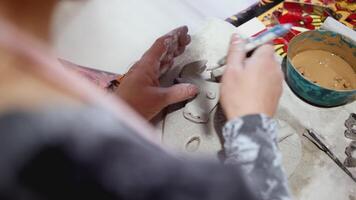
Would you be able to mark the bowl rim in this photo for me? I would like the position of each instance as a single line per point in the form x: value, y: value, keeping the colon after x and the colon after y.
x: 289, y: 60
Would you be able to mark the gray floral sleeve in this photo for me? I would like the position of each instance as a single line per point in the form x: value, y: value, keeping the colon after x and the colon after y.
x: 251, y: 142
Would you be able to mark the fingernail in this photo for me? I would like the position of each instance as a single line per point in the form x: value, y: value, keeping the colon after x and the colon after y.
x: 235, y: 37
x: 240, y: 44
x: 237, y: 42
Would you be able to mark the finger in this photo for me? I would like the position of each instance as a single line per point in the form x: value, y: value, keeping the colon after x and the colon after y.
x: 165, y: 67
x: 266, y: 50
x: 181, y: 49
x: 179, y: 52
x: 236, y: 55
x: 158, y: 50
x: 179, y: 93
x: 182, y: 34
x: 266, y: 53
x: 184, y: 38
x: 188, y: 39
x: 168, y: 58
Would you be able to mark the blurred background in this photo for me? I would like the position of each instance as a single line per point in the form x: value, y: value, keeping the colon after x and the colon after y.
x: 111, y: 34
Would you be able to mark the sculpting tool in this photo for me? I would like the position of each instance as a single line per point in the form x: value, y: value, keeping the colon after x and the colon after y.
x: 253, y: 43
x: 318, y: 141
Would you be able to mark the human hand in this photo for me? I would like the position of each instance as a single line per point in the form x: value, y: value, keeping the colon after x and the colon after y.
x: 250, y: 85
x: 140, y: 87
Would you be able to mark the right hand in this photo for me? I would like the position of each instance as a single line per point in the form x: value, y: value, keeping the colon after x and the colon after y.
x: 250, y: 85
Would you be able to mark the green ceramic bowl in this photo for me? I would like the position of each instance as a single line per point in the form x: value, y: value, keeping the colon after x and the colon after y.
x: 304, y: 88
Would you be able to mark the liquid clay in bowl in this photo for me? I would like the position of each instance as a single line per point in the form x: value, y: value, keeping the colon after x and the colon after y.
x: 321, y: 68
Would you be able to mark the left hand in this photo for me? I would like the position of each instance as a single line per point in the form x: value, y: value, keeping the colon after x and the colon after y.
x: 141, y: 89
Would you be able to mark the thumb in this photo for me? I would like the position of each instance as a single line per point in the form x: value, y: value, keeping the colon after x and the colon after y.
x: 179, y: 93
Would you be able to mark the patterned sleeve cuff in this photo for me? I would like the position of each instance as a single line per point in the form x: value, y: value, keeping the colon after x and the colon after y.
x: 251, y: 143
x: 245, y: 136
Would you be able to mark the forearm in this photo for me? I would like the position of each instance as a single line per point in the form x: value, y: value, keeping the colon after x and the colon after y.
x: 104, y: 80
x: 250, y: 142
